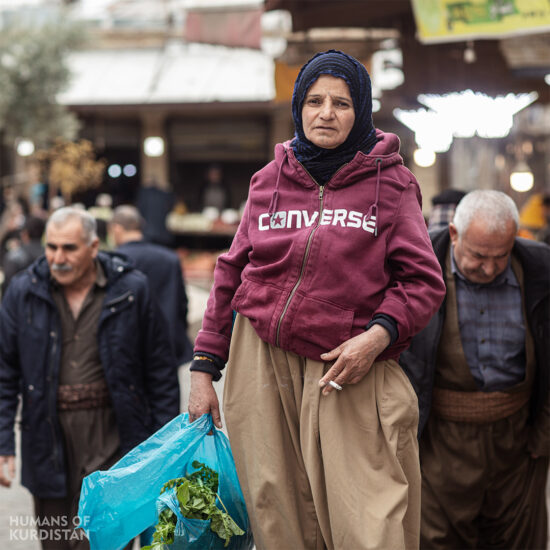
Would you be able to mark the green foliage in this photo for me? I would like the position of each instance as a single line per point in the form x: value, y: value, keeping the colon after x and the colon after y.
x: 196, y: 494
x: 205, y: 476
x: 33, y: 71
x: 164, y: 533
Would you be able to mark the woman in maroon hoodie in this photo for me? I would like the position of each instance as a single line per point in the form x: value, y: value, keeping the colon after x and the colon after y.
x: 331, y: 274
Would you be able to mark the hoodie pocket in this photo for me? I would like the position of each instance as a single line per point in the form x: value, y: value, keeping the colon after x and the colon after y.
x: 315, y: 326
x: 257, y: 302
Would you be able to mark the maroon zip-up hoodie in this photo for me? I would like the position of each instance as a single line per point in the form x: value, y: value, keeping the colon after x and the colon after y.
x: 311, y: 265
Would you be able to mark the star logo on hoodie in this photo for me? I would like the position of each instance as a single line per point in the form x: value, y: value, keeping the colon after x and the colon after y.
x: 278, y: 220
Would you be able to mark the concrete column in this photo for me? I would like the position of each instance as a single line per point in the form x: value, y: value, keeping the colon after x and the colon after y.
x: 155, y: 170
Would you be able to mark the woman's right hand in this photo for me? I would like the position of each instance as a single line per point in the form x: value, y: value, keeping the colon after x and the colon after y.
x: 203, y: 398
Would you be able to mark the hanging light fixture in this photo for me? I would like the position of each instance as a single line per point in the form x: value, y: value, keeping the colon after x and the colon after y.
x: 424, y: 157
x: 462, y: 114
x: 24, y: 147
x: 470, y: 53
x: 153, y: 146
x: 521, y: 178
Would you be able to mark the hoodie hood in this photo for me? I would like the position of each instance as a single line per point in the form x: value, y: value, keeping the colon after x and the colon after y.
x: 386, y: 149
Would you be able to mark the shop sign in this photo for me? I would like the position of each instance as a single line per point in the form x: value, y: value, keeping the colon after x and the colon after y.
x: 457, y: 20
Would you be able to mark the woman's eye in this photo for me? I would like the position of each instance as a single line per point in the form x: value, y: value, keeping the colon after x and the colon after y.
x: 314, y: 101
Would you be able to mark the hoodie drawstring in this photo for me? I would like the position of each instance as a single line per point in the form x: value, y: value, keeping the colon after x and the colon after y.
x: 373, y: 209
x: 275, y: 197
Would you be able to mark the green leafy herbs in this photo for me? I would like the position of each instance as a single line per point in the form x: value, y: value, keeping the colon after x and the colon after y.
x: 196, y: 494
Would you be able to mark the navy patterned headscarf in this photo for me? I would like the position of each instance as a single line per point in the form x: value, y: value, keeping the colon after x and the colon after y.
x: 323, y: 163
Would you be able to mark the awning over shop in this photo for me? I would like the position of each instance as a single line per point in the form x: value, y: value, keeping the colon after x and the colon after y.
x: 178, y: 73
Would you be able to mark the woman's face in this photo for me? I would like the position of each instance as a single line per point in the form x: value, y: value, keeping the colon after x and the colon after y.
x: 327, y: 113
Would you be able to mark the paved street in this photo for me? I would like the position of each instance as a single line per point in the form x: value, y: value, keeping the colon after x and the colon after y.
x: 16, y: 503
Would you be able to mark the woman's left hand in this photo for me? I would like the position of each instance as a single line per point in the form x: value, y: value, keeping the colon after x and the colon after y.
x: 354, y: 358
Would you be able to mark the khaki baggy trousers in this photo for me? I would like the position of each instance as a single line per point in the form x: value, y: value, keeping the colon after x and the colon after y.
x: 338, y: 471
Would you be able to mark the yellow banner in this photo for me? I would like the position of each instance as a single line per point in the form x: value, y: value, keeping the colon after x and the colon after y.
x: 449, y: 20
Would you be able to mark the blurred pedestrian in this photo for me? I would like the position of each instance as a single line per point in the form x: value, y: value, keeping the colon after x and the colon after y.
x: 443, y: 209
x: 481, y: 370
x: 531, y: 218
x: 12, y: 221
x: 214, y: 192
x: 163, y: 269
x: 29, y: 250
x: 154, y: 204
x: 331, y: 273
x: 83, y: 343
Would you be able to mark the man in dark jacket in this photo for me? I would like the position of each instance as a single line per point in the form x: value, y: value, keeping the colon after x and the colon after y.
x: 163, y: 269
x: 481, y: 372
x: 83, y: 343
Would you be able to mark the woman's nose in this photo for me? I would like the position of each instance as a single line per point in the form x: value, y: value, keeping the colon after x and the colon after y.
x: 326, y: 110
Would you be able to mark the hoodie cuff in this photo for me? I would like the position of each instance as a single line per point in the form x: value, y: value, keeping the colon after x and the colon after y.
x: 209, y: 363
x: 389, y: 323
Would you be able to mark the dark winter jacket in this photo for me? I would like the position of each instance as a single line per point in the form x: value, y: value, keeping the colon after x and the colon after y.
x: 163, y: 269
x: 311, y: 266
x: 419, y: 361
x: 135, y: 353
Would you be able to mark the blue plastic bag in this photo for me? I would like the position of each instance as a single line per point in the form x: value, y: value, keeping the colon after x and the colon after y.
x: 118, y: 504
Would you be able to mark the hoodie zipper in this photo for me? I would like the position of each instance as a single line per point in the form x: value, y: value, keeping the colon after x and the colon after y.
x: 308, y: 246
x: 304, y: 261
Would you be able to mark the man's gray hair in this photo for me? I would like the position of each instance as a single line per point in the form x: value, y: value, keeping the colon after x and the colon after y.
x: 495, y: 208
x: 89, y: 225
x: 128, y: 217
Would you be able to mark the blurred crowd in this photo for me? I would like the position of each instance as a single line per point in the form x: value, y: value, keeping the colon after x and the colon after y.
x: 22, y: 221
